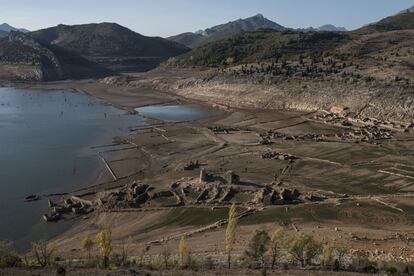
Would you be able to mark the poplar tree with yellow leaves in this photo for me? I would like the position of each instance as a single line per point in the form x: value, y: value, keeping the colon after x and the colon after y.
x: 182, y: 251
x: 104, y: 241
x: 87, y: 244
x: 231, y: 233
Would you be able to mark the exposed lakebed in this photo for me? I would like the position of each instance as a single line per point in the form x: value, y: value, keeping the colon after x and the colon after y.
x: 47, y: 139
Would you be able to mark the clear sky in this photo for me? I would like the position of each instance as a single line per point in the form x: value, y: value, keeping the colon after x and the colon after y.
x: 170, y: 17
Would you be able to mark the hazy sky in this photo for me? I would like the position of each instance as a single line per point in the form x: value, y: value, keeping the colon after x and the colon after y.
x: 169, y: 17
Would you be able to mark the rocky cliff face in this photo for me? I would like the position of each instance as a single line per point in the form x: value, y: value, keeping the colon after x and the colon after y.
x: 49, y: 63
x: 23, y: 58
x: 365, y: 100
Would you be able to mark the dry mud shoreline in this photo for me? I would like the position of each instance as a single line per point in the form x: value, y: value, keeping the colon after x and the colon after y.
x: 354, y: 178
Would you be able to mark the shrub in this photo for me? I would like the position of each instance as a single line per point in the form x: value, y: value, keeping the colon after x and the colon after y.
x: 7, y: 257
x: 392, y: 270
x: 182, y: 252
x: 87, y: 244
x: 10, y: 261
x: 125, y: 252
x: 209, y: 263
x: 370, y: 269
x: 60, y: 271
x: 43, y: 252
x: 142, y: 252
x: 304, y: 249
x: 361, y: 262
x: 336, y: 266
x: 327, y: 259
x: 166, y: 254
x: 257, y: 247
x: 5, y: 247
x: 333, y: 256
x: 276, y: 244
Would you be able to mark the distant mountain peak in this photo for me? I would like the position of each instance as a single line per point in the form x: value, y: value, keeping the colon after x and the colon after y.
x: 8, y: 28
x: 107, y: 40
x: 332, y: 28
x: 221, y: 31
x: 259, y: 15
x: 324, y: 28
x: 5, y: 25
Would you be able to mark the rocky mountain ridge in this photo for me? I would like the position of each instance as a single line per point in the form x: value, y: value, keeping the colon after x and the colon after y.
x: 250, y: 24
x: 107, y: 40
x: 24, y: 58
x: 90, y: 50
x: 7, y: 28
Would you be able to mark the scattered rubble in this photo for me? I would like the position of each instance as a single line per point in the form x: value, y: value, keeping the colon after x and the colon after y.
x: 367, y: 130
x: 192, y: 166
x: 278, y: 156
x: 361, y: 130
x: 223, y: 130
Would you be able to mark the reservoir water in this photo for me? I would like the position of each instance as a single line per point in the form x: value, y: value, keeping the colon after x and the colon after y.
x: 45, y: 147
x: 177, y: 113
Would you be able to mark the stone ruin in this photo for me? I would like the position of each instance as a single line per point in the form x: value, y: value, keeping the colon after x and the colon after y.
x: 366, y: 133
x: 70, y: 206
x: 208, y: 190
x: 203, y: 175
x: 231, y: 178
x: 360, y: 130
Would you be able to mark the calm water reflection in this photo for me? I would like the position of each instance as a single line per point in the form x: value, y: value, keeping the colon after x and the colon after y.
x: 177, y: 113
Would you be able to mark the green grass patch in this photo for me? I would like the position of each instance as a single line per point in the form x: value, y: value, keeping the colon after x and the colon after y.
x: 193, y: 194
x: 288, y: 214
x: 190, y: 217
x: 367, y: 214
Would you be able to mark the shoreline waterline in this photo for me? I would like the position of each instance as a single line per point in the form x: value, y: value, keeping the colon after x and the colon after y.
x: 38, y: 128
x: 42, y: 230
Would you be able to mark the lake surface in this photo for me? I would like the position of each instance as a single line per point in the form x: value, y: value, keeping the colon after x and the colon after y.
x: 177, y: 113
x: 45, y: 147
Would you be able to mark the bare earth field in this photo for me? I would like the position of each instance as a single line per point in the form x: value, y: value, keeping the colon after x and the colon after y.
x: 356, y: 181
